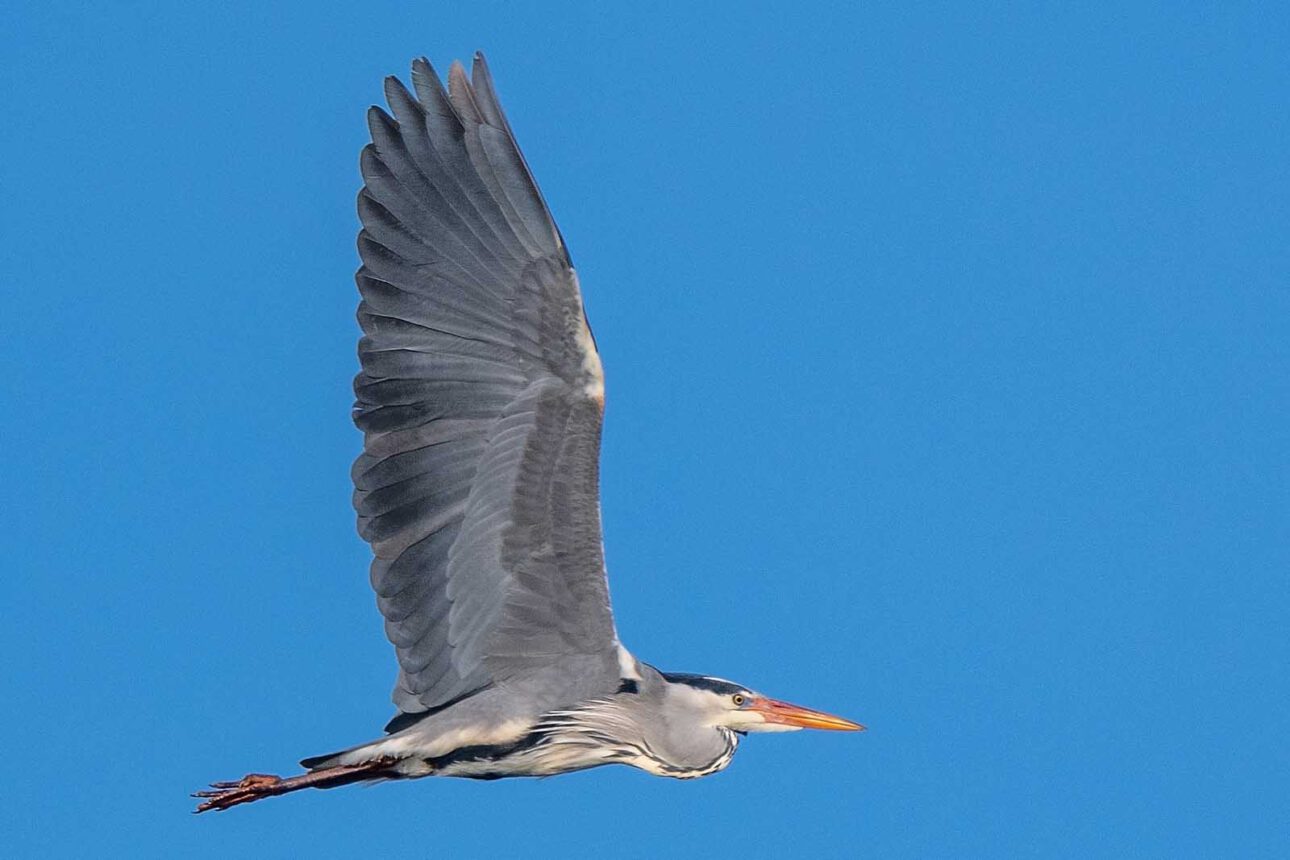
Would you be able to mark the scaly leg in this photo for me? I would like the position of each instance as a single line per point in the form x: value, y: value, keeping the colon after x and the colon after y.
x: 256, y: 786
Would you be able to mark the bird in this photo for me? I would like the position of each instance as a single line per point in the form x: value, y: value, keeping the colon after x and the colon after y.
x: 480, y: 397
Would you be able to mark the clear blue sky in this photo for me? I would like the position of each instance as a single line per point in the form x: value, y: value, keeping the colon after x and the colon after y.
x: 949, y: 381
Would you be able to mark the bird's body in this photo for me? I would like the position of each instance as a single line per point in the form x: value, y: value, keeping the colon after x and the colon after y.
x: 615, y: 726
x: 480, y: 398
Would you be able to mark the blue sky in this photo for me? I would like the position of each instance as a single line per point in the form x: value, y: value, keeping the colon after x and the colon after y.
x: 948, y: 356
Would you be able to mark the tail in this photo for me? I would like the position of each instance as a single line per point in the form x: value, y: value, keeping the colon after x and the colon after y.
x: 257, y: 786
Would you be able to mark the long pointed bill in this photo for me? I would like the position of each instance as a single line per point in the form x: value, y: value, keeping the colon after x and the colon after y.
x: 775, y: 711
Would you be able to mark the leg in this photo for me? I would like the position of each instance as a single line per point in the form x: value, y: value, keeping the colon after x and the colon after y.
x: 256, y: 786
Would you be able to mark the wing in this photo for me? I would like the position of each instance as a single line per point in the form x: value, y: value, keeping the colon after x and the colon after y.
x: 480, y: 400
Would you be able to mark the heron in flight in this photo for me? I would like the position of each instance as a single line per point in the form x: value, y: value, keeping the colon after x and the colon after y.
x: 480, y: 398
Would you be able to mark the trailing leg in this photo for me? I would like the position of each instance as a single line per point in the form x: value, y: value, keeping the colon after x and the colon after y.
x: 257, y: 786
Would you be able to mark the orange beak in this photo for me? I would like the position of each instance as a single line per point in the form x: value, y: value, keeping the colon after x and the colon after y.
x: 775, y: 711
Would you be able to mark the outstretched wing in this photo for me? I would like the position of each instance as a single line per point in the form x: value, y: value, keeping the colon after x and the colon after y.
x: 480, y: 400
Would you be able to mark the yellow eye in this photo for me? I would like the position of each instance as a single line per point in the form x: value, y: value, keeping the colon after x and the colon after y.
x: 737, y: 699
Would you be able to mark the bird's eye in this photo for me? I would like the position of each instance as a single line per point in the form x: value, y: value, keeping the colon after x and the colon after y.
x: 737, y: 699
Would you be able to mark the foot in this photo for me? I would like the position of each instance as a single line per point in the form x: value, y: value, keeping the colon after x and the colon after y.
x: 253, y: 786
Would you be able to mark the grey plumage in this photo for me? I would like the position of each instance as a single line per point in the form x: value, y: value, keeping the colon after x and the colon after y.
x: 480, y: 398
x: 478, y: 483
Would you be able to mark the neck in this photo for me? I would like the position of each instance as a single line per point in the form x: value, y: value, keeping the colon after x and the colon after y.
x: 620, y: 729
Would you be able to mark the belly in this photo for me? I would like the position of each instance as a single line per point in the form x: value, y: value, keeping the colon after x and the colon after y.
x: 537, y: 759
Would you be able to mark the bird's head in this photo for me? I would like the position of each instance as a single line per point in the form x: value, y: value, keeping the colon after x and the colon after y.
x: 732, y: 706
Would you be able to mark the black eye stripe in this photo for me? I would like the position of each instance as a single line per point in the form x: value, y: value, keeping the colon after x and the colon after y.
x: 701, y: 682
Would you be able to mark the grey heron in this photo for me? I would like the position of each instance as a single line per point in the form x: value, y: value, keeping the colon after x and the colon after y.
x: 480, y: 398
